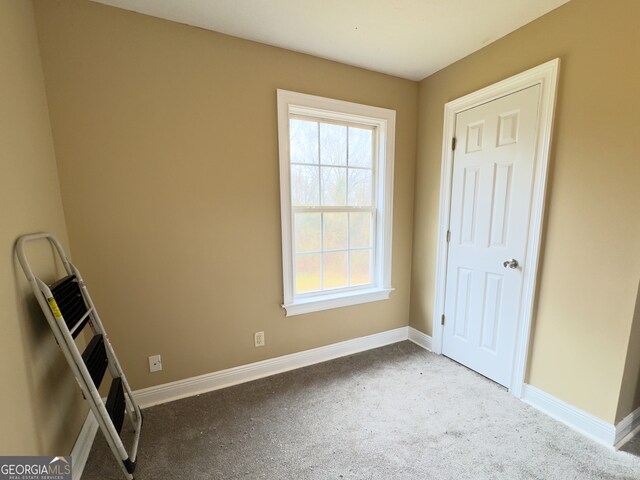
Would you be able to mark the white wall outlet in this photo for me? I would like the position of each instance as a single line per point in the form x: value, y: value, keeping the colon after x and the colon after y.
x: 259, y: 339
x: 155, y: 363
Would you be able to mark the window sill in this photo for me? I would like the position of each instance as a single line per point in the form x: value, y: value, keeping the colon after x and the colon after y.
x: 327, y: 302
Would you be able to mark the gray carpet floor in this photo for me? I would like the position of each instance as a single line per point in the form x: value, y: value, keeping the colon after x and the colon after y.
x: 397, y: 412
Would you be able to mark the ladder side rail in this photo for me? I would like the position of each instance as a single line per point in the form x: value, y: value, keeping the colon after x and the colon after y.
x: 95, y: 317
x: 74, y: 358
x: 136, y: 439
x: 133, y: 409
x: 83, y: 377
x: 79, y: 369
x: 113, y: 360
x: 131, y: 415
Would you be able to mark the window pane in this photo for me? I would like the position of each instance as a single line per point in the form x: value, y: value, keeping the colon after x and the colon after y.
x: 360, y: 147
x: 360, y: 230
x: 303, y: 141
x: 335, y: 270
x: 360, y: 187
x: 335, y: 231
x: 307, y: 273
x: 305, y: 189
x: 307, y: 232
x: 333, y: 144
x: 334, y: 186
x: 360, y: 267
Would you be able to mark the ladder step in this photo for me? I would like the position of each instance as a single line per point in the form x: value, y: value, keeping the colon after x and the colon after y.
x: 95, y: 358
x: 68, y: 296
x: 116, y: 404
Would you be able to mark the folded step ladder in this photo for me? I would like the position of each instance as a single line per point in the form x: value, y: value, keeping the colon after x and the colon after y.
x: 68, y: 308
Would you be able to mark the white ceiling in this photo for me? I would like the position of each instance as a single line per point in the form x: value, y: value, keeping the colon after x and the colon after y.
x: 406, y: 38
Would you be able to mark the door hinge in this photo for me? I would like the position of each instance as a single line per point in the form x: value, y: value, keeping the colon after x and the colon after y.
x: 453, y: 143
x: 448, y: 236
x: 442, y: 320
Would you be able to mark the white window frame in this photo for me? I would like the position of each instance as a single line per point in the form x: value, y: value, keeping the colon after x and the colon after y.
x: 383, y: 121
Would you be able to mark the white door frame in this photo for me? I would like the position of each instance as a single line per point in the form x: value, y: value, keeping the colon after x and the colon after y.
x: 545, y: 75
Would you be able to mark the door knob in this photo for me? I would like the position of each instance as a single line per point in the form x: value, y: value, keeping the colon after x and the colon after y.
x: 513, y: 263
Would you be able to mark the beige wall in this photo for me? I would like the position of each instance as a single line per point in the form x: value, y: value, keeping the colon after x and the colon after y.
x: 167, y: 148
x: 40, y: 408
x: 591, y: 260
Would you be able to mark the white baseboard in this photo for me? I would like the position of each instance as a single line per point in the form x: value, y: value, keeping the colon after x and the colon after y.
x: 168, y: 392
x: 573, y: 417
x: 82, y: 447
x: 628, y: 428
x: 421, y: 339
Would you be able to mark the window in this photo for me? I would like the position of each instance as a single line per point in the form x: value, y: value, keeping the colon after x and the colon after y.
x: 336, y: 190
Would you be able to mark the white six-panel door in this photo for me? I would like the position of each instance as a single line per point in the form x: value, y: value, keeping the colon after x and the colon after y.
x: 491, y: 199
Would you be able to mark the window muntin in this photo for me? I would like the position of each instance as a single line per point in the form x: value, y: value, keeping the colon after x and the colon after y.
x: 333, y: 204
x: 336, y: 171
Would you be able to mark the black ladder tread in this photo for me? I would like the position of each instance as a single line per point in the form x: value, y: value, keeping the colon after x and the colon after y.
x: 116, y: 403
x: 68, y: 296
x: 95, y: 358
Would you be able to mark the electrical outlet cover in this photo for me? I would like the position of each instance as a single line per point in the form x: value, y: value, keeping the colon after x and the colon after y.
x: 155, y: 363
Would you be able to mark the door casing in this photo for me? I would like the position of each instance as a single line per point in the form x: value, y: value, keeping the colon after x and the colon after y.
x: 545, y: 75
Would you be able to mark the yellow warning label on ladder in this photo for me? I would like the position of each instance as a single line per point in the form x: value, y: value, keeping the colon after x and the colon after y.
x: 54, y: 308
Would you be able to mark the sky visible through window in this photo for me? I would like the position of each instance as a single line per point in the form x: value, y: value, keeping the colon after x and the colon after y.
x: 332, y: 194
